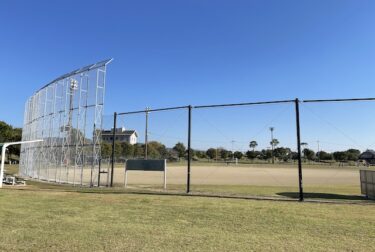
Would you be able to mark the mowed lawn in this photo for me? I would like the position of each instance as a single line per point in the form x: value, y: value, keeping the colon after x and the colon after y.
x: 55, y: 219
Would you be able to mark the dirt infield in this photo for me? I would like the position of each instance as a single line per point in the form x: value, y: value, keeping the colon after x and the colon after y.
x: 244, y: 175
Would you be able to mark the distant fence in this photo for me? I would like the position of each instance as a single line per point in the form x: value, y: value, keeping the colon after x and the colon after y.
x: 189, y: 108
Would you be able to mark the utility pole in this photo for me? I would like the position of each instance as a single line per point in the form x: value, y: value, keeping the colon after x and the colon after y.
x: 146, y: 132
x: 273, y: 157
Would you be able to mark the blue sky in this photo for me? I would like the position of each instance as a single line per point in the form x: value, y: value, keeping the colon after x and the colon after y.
x: 169, y: 53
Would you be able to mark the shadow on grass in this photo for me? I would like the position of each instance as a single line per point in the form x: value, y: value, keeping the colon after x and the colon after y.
x: 330, y: 196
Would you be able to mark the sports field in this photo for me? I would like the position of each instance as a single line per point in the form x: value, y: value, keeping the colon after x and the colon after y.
x: 50, y: 217
x: 257, y: 179
x: 262, y: 175
x: 60, y: 218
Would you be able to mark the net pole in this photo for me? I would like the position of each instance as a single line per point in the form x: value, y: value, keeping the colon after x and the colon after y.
x: 299, y: 150
x: 189, y: 150
x: 113, y: 147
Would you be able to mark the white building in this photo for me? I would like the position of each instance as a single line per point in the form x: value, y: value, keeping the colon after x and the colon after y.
x: 122, y: 135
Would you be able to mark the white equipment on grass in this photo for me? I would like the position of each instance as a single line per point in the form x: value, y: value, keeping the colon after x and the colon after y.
x: 5, y: 145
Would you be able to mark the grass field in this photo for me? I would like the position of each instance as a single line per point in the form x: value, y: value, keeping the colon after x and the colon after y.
x: 48, y: 217
x: 36, y: 219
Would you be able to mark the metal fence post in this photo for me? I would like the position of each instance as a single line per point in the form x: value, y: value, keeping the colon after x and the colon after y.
x: 299, y: 151
x: 189, y: 150
x: 113, y: 147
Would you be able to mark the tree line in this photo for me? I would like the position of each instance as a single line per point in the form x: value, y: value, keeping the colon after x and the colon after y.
x: 9, y: 133
x: 179, y: 151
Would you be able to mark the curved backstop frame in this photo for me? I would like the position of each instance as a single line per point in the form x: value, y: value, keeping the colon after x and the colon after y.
x: 67, y: 114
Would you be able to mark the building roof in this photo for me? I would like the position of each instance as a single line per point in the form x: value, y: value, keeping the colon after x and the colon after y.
x: 120, y: 132
x: 368, y: 154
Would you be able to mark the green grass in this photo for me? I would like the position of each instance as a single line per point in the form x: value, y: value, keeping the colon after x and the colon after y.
x: 36, y: 219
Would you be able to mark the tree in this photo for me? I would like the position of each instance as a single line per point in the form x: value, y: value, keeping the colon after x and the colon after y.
x: 224, y: 154
x: 180, y: 149
x: 308, y: 154
x: 282, y: 153
x: 106, y: 149
x: 10, y: 134
x: 294, y: 155
x: 253, y: 144
x: 156, y: 150
x: 252, y: 154
x: 238, y: 154
x: 211, y: 153
x: 266, y: 154
x: 340, y: 156
x: 139, y: 150
x: 324, y: 155
x: 353, y: 154
x: 127, y: 149
x: 118, y: 149
x: 200, y: 154
x: 274, y: 142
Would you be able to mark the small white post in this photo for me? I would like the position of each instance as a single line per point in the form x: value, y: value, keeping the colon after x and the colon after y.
x: 165, y: 174
x: 3, y: 156
x: 2, y: 164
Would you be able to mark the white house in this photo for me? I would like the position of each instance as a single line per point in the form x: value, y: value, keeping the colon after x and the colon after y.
x: 122, y: 135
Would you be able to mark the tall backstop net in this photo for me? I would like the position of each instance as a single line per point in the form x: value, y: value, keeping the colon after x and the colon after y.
x: 67, y: 115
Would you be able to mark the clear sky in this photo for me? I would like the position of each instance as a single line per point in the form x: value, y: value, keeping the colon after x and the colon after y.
x: 169, y: 53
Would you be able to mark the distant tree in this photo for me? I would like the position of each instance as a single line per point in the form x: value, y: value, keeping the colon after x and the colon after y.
x: 322, y: 155
x: 274, y: 142
x: 253, y: 144
x: 282, y: 153
x: 238, y: 154
x: 211, y: 153
x: 106, y: 149
x: 118, y: 149
x: 224, y: 154
x: 340, y: 156
x: 200, y: 154
x: 353, y: 154
x: 266, y: 154
x: 139, y: 150
x: 308, y: 154
x: 180, y: 149
x: 127, y: 149
x: 156, y: 150
x: 252, y: 154
x: 294, y: 155
x: 10, y: 134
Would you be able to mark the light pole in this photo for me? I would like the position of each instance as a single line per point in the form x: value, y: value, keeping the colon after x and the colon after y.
x: 273, y: 158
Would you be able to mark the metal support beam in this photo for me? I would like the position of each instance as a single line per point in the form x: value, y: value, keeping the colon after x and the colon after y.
x: 146, y: 133
x: 299, y: 151
x: 189, y: 150
x: 113, y: 147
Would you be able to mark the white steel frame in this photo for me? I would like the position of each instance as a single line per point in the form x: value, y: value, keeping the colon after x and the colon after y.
x: 67, y: 114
